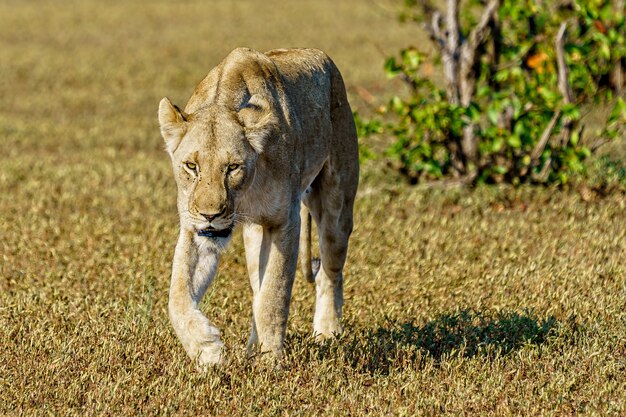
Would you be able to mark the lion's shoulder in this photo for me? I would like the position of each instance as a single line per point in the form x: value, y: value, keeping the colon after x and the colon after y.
x: 299, y: 59
x: 243, y: 69
x: 285, y: 60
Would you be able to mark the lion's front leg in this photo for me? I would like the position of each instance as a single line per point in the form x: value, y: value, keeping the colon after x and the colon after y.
x: 194, y: 266
x: 277, y: 254
x: 257, y: 251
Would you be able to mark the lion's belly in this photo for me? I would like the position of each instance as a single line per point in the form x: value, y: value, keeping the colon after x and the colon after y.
x: 310, y: 172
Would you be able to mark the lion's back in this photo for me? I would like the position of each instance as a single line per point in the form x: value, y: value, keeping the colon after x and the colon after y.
x: 300, y: 62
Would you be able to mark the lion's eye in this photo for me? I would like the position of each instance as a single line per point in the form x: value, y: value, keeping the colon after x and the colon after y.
x: 233, y: 167
x: 191, y: 166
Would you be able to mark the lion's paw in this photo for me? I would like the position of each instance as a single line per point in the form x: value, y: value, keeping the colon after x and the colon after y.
x: 210, y: 354
x: 327, y: 329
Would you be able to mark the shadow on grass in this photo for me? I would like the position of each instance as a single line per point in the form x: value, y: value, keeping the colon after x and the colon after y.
x: 464, y: 333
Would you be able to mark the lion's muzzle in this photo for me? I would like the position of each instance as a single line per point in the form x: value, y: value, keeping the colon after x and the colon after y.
x: 213, y: 233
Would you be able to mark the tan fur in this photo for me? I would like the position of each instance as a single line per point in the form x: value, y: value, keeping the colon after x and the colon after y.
x: 261, y: 135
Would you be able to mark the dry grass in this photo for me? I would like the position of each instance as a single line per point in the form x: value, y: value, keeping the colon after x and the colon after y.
x: 492, y: 301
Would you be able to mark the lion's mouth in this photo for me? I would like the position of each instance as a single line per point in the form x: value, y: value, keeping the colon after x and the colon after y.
x: 212, y: 232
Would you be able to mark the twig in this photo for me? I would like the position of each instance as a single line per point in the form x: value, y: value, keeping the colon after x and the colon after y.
x: 458, y: 56
x: 545, y: 137
x: 452, y: 23
x: 563, y: 71
x: 434, y: 30
x: 598, y: 144
x: 479, y: 33
x: 467, y: 72
x: 543, y: 174
x: 564, y: 86
x: 450, y: 54
x: 506, y: 118
x: 541, y: 145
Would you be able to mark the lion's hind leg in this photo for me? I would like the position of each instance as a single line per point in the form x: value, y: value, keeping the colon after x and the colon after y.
x: 330, y: 203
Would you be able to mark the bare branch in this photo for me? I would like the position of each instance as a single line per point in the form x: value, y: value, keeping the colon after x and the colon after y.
x: 505, y: 120
x: 495, y: 42
x: 542, y: 176
x: 434, y: 30
x: 564, y: 86
x: 468, y: 51
x: 598, y: 144
x: 617, y: 78
x: 452, y: 26
x: 545, y: 137
x: 563, y: 71
x: 410, y: 82
x: 467, y: 72
x: 480, y: 31
x: 450, y: 55
x: 436, y: 24
x: 431, y: 22
x: 458, y: 57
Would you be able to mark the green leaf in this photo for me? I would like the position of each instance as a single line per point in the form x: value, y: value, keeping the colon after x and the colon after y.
x: 493, y: 114
x: 618, y: 112
x: 571, y: 111
x: 517, y: 107
x: 392, y: 69
x: 550, y: 96
x: 514, y: 141
x: 586, y: 152
x: 497, y: 144
x: 499, y: 169
x: 411, y: 58
x: 473, y: 111
x: 605, y: 50
x: 501, y: 76
x: 397, y: 105
x: 483, y: 91
x: 519, y: 129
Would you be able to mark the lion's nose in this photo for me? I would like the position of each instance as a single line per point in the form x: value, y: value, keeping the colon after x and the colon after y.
x: 213, y: 216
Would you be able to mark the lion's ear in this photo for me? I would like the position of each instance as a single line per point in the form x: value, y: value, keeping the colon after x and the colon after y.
x: 258, y: 119
x: 172, y: 121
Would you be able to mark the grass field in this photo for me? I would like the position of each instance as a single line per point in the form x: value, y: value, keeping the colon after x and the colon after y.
x: 491, y: 301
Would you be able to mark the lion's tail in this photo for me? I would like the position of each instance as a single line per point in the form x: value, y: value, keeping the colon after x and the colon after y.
x: 309, y: 266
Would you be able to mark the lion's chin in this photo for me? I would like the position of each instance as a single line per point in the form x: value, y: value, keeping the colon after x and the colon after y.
x: 213, y: 233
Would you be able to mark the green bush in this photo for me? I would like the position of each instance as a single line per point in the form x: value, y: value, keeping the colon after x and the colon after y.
x: 524, y: 124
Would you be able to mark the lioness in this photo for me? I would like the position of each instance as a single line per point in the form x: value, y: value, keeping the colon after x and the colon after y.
x: 262, y: 134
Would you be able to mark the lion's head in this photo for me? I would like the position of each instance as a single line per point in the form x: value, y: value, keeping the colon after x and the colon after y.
x: 214, y: 153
